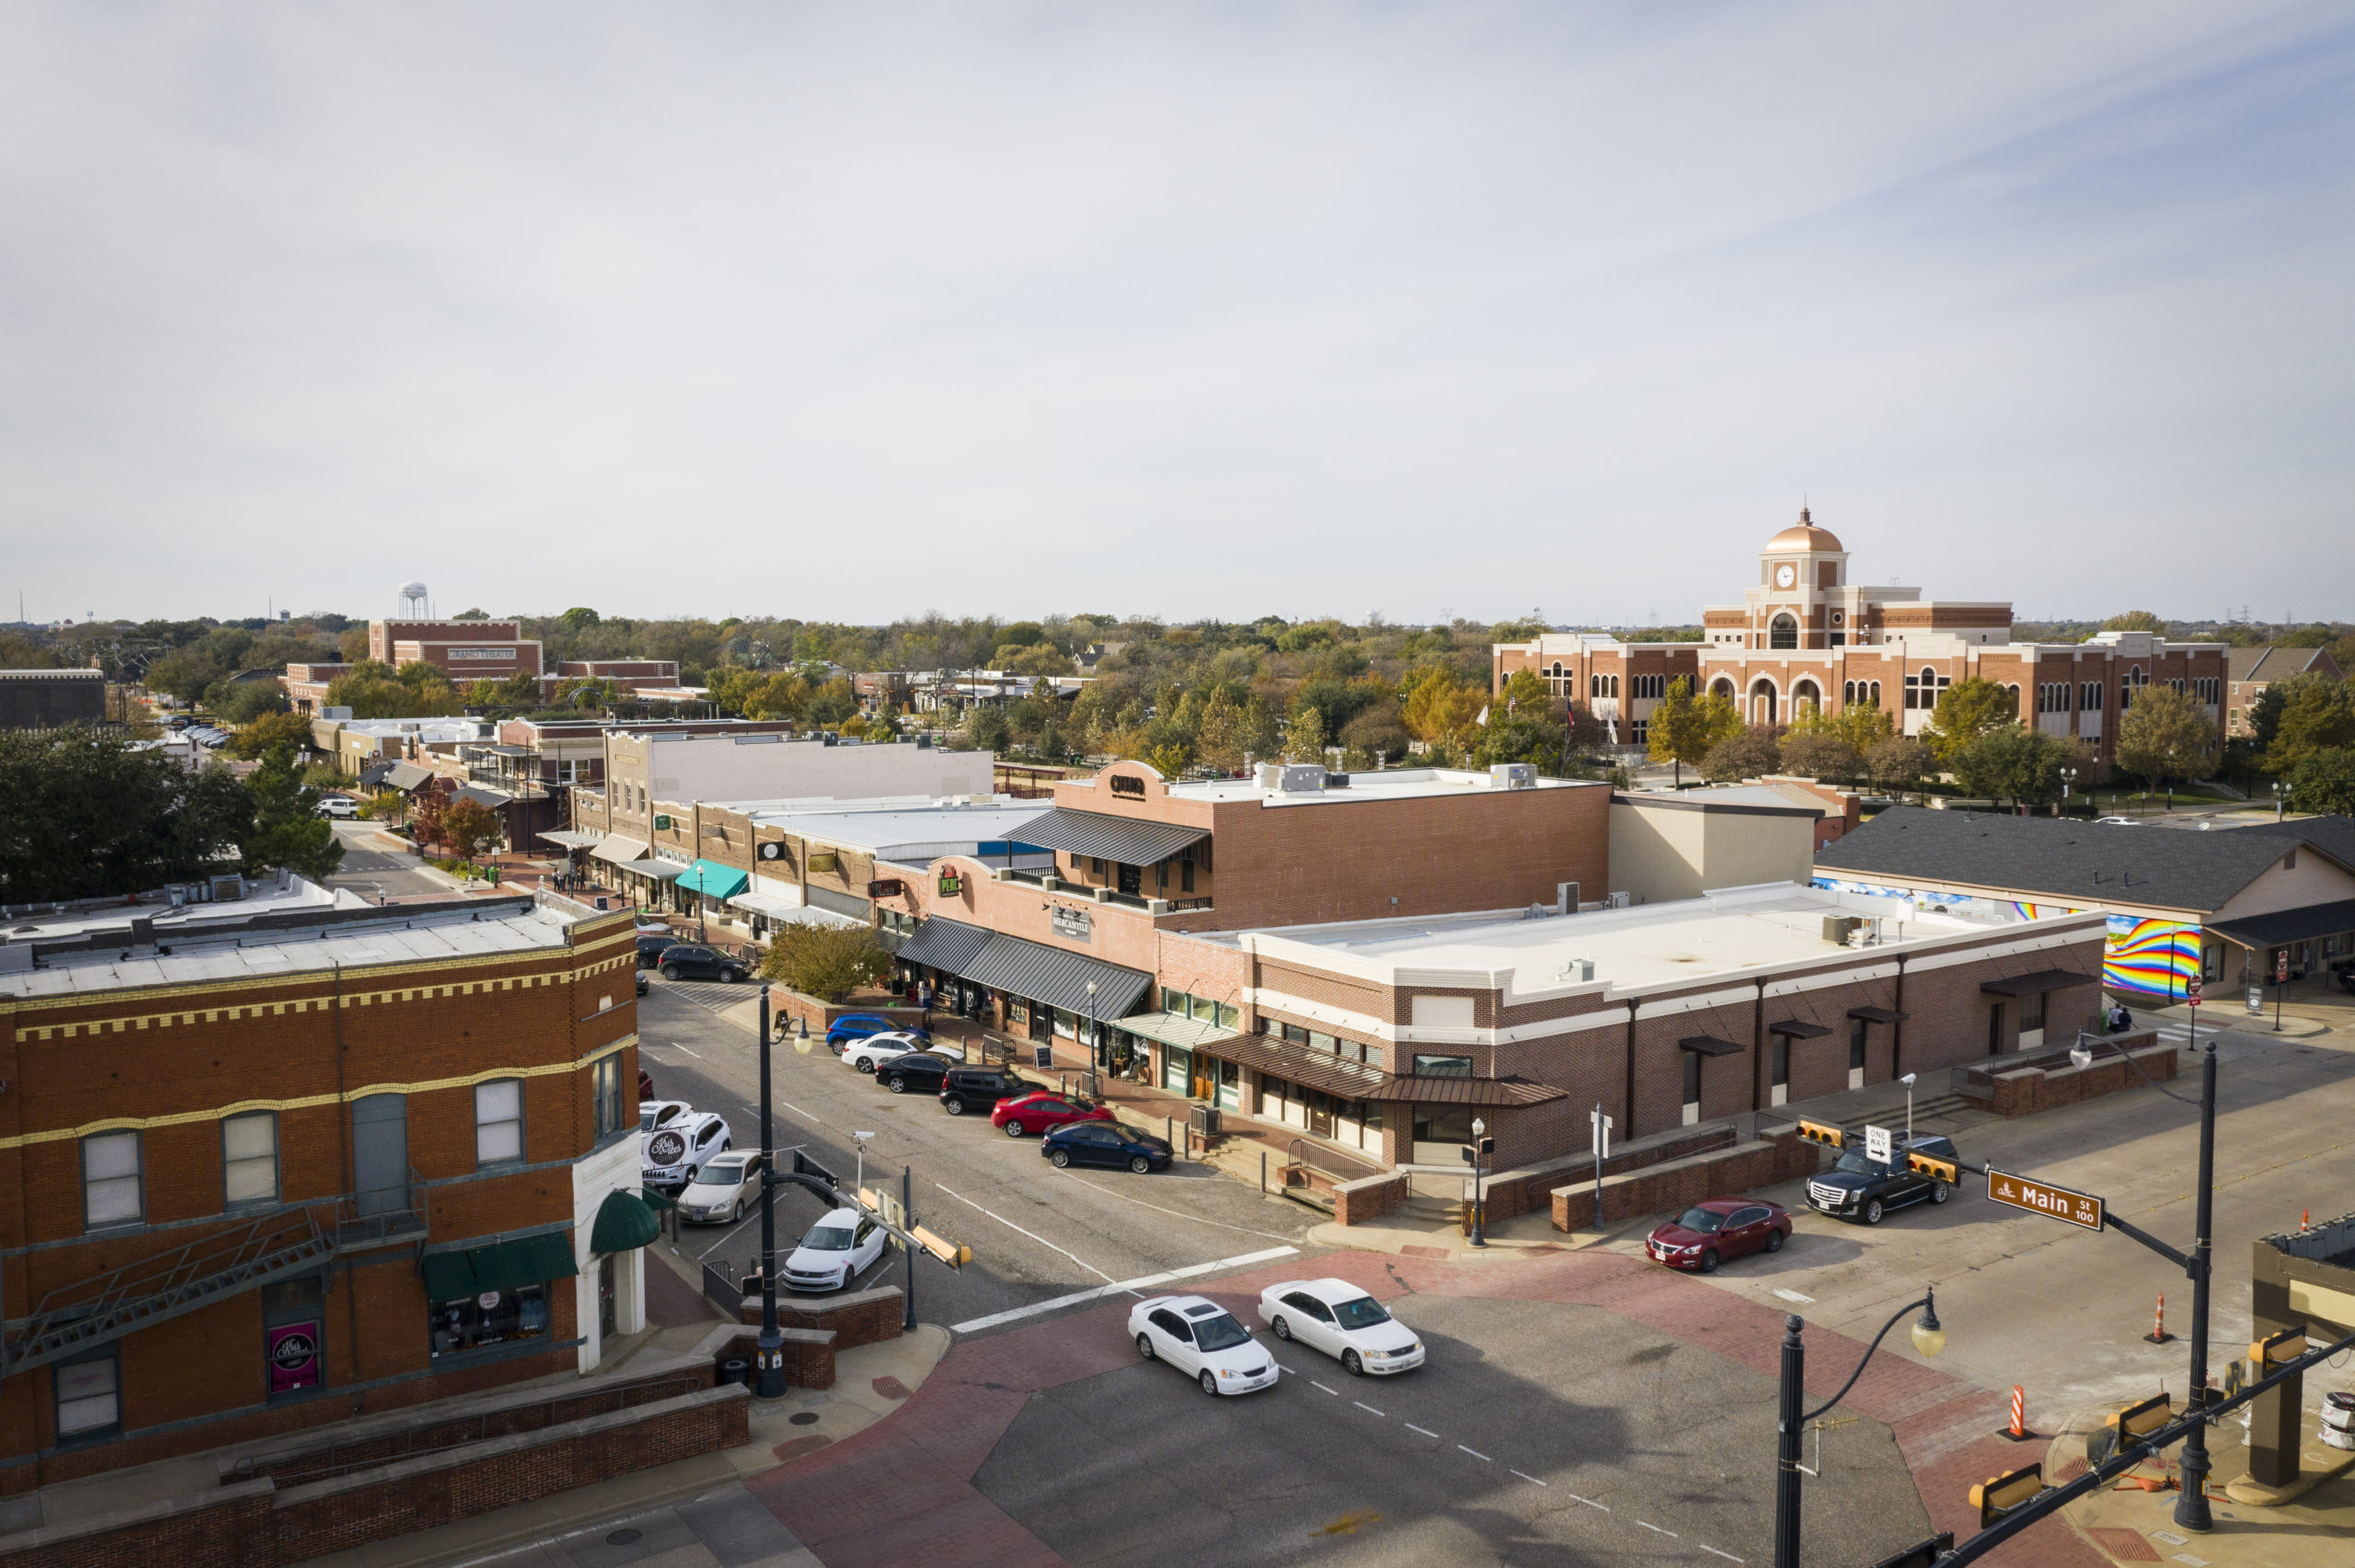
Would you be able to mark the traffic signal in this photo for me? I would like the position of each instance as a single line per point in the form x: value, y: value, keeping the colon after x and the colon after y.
x: 946, y: 1251
x: 1829, y: 1137
x: 1999, y: 1494
x: 1946, y: 1170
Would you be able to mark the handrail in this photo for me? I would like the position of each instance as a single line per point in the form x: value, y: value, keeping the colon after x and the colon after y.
x: 1299, y: 1146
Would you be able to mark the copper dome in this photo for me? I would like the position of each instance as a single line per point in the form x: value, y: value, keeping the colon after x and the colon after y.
x: 1804, y: 535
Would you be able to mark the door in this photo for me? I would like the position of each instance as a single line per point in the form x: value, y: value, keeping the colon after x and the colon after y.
x: 608, y: 1322
x: 1749, y: 1230
x: 380, y: 1153
x: 1132, y: 880
x: 1173, y: 1340
x: 1320, y: 1113
x: 1995, y: 1030
x: 1316, y: 1322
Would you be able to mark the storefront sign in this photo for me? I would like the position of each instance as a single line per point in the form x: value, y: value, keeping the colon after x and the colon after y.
x: 1128, y: 785
x: 825, y: 859
x: 889, y: 887
x: 661, y: 824
x: 1077, y: 924
x: 293, y: 1357
x: 951, y: 884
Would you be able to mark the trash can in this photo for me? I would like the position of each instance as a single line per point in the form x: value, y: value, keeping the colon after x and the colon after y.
x: 494, y: 876
x: 736, y: 1369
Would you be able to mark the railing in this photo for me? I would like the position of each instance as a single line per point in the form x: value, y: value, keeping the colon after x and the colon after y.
x: 1328, y: 1161
x: 1180, y: 906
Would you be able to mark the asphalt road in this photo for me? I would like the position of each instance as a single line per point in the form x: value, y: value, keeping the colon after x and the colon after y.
x: 372, y: 872
x: 1536, y: 1432
x: 1038, y: 1234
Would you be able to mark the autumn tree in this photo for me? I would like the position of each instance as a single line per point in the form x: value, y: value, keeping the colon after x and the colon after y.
x: 825, y: 961
x: 1748, y: 755
x: 1818, y: 754
x: 1681, y: 729
x: 1966, y: 710
x: 2134, y: 621
x: 469, y: 827
x: 1305, y: 742
x: 269, y: 732
x: 1898, y: 763
x: 2166, y: 736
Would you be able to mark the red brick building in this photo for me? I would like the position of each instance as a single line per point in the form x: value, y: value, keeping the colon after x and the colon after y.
x: 264, y: 1173
x: 475, y: 650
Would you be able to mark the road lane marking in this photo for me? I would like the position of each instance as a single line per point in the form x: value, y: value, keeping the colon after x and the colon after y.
x: 1314, y: 1384
x: 1478, y: 1455
x: 1132, y: 1287
x: 1369, y: 1410
x: 1174, y: 1213
x: 1669, y: 1534
x: 1727, y: 1556
x: 1412, y: 1428
x: 1794, y: 1296
x: 1587, y: 1501
x: 1018, y: 1230
x: 1282, y: 1368
x: 1527, y: 1477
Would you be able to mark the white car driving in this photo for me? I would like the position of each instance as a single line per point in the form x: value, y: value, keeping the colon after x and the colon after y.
x: 835, y: 1251
x: 723, y: 1190
x: 1203, y: 1340
x: 675, y: 1140
x: 866, y: 1054
x: 1342, y: 1321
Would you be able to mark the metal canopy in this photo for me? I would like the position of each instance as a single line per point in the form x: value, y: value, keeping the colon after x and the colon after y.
x: 945, y: 944
x: 570, y: 839
x: 2289, y: 925
x: 1058, y: 978
x: 619, y: 849
x: 714, y: 880
x: 407, y: 776
x: 1410, y: 1089
x: 1297, y: 1063
x: 1876, y: 1014
x: 1797, y: 1029
x: 1118, y: 839
x: 2032, y: 985
x: 1708, y: 1045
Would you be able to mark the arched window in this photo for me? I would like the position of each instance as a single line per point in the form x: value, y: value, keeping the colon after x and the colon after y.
x: 1847, y: 693
x: 1876, y: 693
x: 1784, y: 631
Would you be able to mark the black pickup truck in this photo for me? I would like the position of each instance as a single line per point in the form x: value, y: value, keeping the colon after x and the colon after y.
x: 1860, y: 1188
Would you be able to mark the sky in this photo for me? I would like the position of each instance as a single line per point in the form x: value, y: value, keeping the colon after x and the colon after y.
x: 1464, y: 309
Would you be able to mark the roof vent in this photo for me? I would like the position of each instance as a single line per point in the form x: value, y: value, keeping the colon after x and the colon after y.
x: 1513, y: 775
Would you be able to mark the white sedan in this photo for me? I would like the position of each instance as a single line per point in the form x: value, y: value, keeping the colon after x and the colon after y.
x: 835, y: 1251
x: 1342, y: 1321
x: 722, y: 1190
x: 866, y: 1054
x: 1203, y: 1340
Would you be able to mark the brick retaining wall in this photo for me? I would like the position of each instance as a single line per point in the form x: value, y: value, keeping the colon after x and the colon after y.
x: 1368, y: 1198
x: 863, y: 1317
x: 1676, y: 1184
x: 2047, y: 1079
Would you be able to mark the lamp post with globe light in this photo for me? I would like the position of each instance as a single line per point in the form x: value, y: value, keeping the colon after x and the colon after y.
x: 1929, y: 1338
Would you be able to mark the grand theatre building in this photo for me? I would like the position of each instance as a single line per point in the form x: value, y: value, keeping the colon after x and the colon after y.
x: 1807, y: 635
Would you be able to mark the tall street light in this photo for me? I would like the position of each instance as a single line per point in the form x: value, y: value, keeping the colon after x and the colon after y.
x: 1929, y: 1338
x: 768, y: 1357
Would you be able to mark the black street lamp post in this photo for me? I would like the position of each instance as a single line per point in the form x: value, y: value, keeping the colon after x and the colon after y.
x: 2191, y: 1503
x: 1929, y: 1338
x: 768, y: 1380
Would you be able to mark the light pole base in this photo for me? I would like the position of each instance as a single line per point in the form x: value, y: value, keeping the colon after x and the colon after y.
x: 768, y: 1366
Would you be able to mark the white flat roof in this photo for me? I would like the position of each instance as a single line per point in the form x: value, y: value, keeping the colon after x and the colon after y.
x: 1383, y: 783
x: 931, y: 832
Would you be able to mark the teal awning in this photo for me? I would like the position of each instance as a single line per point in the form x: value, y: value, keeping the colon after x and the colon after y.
x: 501, y: 1265
x: 624, y: 1224
x: 714, y: 880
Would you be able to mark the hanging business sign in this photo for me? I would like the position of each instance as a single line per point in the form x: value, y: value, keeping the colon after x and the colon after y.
x: 1075, y: 923
x: 293, y: 1357
x: 885, y: 887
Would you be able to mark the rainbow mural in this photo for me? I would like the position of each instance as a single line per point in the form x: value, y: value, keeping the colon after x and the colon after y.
x: 2153, y: 957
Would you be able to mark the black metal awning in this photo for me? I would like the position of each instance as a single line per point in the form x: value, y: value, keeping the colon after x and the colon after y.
x: 1120, y: 839
x: 1058, y: 977
x: 1876, y: 1014
x: 2289, y: 925
x: 1798, y: 1029
x: 1297, y: 1063
x: 1413, y: 1090
x: 1708, y: 1045
x: 2035, y: 984
x: 945, y: 944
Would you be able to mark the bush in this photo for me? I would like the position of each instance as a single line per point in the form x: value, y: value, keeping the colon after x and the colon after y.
x: 825, y: 961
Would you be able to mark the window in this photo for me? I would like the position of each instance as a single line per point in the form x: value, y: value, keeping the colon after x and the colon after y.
x: 1995, y: 1030
x: 1175, y: 1003
x: 1441, y: 1067
x: 2032, y: 1011
x: 1318, y: 1040
x: 499, y: 1121
x: 468, y: 1324
x: 1639, y: 732
x: 1781, y: 1061
x: 2205, y: 688
x: 249, y: 1158
x: 606, y: 1090
x: 1784, y: 631
x: 111, y: 1189
x: 1849, y: 694
x: 1922, y: 690
x: 89, y: 1396
x: 2089, y: 697
x: 1856, y: 1027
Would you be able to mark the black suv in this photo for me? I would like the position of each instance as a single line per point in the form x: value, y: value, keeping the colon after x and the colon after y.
x: 650, y: 949
x: 980, y: 1089
x: 685, y: 961
x: 1858, y: 1188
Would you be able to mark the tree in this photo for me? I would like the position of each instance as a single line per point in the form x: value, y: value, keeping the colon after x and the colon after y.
x: 1861, y: 725
x: 426, y: 806
x: 1378, y: 732
x: 1681, y: 731
x: 2316, y: 714
x: 2012, y: 763
x: 2134, y: 621
x: 825, y: 961
x: 2324, y: 781
x: 2165, y: 736
x: 1305, y: 742
x: 1748, y: 755
x: 184, y: 673
x: 1898, y: 763
x: 987, y: 729
x: 1218, y: 731
x: 1966, y: 710
x: 287, y: 829
x: 469, y: 827
x: 241, y: 702
x: 1817, y: 754
x: 268, y: 733
x: 84, y: 816
x: 1434, y: 705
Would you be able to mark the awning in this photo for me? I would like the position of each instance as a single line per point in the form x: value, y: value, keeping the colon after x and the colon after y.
x: 624, y: 1224
x: 1797, y: 1030
x: 1708, y: 1045
x: 660, y: 870
x: 570, y: 839
x: 407, y: 776
x: 501, y: 1265
x: 945, y: 944
x: 1172, y: 1030
x: 619, y: 849
x: 1057, y: 977
x: 482, y: 796
x: 768, y: 906
x: 1119, y: 839
x: 2290, y: 925
x: 1876, y: 1014
x: 714, y: 880
x: 1411, y: 1090
x: 2035, y: 984
x: 1297, y: 1063
x: 371, y: 777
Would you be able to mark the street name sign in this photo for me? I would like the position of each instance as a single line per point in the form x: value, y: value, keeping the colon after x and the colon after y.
x: 2043, y: 1198
x: 1878, y: 1146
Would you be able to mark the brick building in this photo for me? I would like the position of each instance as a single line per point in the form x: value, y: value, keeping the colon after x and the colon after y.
x: 1808, y: 636
x: 45, y: 699
x: 275, y: 1163
x: 476, y: 650
x: 2255, y: 668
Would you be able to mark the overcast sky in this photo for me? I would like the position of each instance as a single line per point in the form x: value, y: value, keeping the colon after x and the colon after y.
x: 845, y: 312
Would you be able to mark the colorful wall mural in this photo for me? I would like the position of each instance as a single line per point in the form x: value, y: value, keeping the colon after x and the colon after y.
x: 2145, y: 957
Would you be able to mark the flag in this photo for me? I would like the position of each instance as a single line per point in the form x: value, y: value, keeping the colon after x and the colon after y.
x: 1483, y: 714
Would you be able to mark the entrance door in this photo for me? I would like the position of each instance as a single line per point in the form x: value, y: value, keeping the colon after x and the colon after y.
x: 380, y: 1153
x: 1131, y: 879
x: 608, y: 1312
x: 1995, y: 1030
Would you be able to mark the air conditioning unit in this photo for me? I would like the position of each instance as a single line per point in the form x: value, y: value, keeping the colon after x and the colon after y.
x: 1513, y: 775
x: 1837, y: 928
x: 1622, y: 900
x: 1298, y: 778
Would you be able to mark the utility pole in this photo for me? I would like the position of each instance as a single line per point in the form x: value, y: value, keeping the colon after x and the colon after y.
x: 2191, y: 1504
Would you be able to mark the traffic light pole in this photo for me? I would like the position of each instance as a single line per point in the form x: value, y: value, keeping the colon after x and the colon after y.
x: 2191, y: 1504
x: 768, y: 1381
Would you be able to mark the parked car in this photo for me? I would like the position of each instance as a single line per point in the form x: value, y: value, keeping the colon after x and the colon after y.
x: 2118, y: 822
x: 674, y: 1139
x: 835, y: 1251
x: 1044, y: 1112
x: 857, y: 1027
x: 722, y: 1190
x: 640, y: 977
x: 338, y: 805
x: 1105, y: 1143
x: 979, y: 1089
x: 691, y: 961
x: 867, y: 1055
x: 650, y: 944
x: 916, y: 1073
x: 1342, y: 1321
x: 645, y: 1084
x: 1203, y: 1340
x: 1719, y: 1228
x: 1860, y: 1188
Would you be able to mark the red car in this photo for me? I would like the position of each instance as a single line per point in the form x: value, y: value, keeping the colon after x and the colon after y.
x: 1720, y: 1228
x: 1045, y: 1111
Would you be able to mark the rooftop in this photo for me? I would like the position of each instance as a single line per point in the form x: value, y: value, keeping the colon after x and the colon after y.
x: 1386, y: 783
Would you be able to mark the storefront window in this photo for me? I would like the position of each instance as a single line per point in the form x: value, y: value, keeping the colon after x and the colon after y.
x: 1177, y: 1070
x: 1442, y: 1067
x: 1443, y: 1124
x: 495, y: 1317
x: 1066, y: 1025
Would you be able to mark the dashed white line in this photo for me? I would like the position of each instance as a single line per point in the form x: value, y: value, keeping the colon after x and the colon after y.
x: 1369, y: 1409
x: 1727, y: 1556
x: 1314, y: 1384
x: 1794, y: 1296
x: 1282, y: 1368
x: 1587, y: 1501
x: 1529, y: 1478
x: 1133, y: 1286
x: 1647, y: 1525
x: 1478, y: 1455
x: 1412, y: 1428
x: 697, y: 1054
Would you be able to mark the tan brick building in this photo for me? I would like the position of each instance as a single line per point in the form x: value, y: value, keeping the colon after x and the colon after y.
x: 2255, y: 668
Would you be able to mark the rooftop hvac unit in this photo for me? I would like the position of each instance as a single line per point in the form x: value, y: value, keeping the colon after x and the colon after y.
x: 1837, y: 927
x: 1513, y: 775
x: 1298, y: 778
x: 1622, y: 900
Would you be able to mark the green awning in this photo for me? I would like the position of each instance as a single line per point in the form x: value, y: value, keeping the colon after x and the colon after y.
x: 624, y: 1224
x: 714, y: 880
x: 502, y: 1266
x: 655, y: 1200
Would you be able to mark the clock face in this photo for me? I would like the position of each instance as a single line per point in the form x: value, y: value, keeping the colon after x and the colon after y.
x: 1786, y: 574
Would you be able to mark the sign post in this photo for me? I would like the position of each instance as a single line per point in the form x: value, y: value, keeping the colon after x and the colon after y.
x: 1602, y: 1126
x: 2191, y: 995
x: 2280, y: 984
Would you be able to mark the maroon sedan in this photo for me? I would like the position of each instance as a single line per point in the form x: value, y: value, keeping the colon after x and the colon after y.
x: 1720, y: 1228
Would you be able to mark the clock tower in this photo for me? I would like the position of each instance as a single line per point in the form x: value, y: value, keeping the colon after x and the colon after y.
x: 1803, y: 586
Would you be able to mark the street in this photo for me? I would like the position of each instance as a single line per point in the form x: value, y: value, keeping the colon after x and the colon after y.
x: 376, y: 872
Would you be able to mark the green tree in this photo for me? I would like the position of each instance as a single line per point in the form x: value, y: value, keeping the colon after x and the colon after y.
x: 2166, y: 736
x: 469, y: 827
x: 184, y: 673
x: 825, y: 961
x: 1966, y: 710
x: 241, y: 702
x: 1862, y: 727
x: 1378, y: 734
x: 268, y: 733
x: 1748, y: 755
x: 2134, y: 621
x: 1681, y: 729
x: 84, y: 816
x: 2316, y: 714
x: 1218, y: 731
x: 1818, y: 754
x: 987, y: 729
x: 579, y: 618
x: 1898, y: 763
x: 2324, y: 781
x: 2012, y: 763
x: 287, y: 829
x: 1305, y: 742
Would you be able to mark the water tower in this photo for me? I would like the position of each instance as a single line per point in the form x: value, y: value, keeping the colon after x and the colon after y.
x: 412, y: 601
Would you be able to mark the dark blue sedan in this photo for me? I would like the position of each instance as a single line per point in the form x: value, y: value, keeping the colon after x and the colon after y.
x: 1105, y: 1143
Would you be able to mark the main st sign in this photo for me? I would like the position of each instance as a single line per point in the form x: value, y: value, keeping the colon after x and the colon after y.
x: 2043, y: 1198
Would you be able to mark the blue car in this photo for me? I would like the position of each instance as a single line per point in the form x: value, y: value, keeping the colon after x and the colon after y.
x: 857, y: 1027
x: 1105, y: 1143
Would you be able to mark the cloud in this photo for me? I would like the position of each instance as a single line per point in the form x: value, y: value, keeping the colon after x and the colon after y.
x: 1186, y: 310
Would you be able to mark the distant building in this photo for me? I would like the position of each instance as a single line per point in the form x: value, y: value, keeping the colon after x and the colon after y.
x: 475, y: 650
x: 2255, y: 668
x: 45, y: 699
